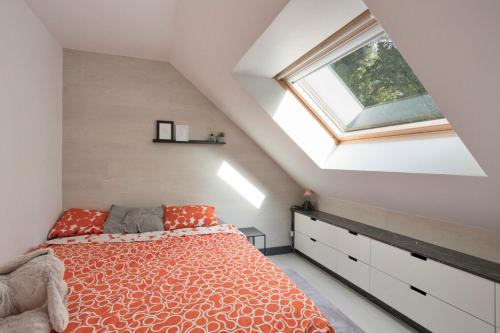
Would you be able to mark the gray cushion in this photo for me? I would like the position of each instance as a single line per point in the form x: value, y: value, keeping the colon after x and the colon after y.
x: 113, y: 224
x: 143, y: 220
x: 123, y: 220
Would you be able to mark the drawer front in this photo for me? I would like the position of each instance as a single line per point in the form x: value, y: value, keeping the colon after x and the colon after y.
x: 305, y: 225
x: 356, y: 272
x: 321, y: 231
x: 317, y: 251
x: 497, y: 287
x: 426, y: 310
x: 328, y: 234
x: 354, y: 245
x: 466, y: 291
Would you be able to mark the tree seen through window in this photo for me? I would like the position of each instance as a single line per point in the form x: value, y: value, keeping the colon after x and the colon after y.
x: 377, y: 74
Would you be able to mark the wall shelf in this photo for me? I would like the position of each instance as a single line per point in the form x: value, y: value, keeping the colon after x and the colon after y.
x: 195, y: 142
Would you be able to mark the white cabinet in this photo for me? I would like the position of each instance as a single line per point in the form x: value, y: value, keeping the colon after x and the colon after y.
x: 354, y: 270
x: 437, y: 296
x: 497, y: 287
x: 305, y: 225
x: 425, y: 309
x: 316, y: 250
x: 321, y: 231
x: 465, y: 291
x: 350, y: 243
x: 355, y: 245
x: 328, y: 234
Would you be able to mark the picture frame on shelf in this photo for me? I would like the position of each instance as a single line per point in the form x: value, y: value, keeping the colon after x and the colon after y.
x: 182, y: 133
x: 165, y: 130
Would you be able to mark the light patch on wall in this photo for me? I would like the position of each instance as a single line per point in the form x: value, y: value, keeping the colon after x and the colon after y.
x: 241, y: 185
x: 303, y: 129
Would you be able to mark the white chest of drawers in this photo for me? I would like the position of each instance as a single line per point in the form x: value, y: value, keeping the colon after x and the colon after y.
x: 464, y: 290
x: 354, y: 244
x: 497, y: 306
x: 338, y: 250
x: 425, y: 309
x: 438, y: 297
x: 326, y: 233
x: 323, y: 254
x: 354, y: 270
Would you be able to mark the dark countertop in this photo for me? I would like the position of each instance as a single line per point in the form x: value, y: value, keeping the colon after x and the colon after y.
x: 477, y: 266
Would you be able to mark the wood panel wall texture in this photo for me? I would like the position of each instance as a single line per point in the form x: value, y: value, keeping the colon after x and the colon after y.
x: 474, y: 241
x: 110, y: 105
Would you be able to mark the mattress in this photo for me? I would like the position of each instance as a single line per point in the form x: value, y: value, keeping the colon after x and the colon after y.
x: 207, y: 279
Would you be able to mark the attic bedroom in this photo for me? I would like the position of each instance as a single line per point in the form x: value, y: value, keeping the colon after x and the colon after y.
x: 249, y: 166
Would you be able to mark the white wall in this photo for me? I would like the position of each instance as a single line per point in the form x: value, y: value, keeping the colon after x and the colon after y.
x: 111, y: 104
x: 474, y: 241
x: 30, y: 129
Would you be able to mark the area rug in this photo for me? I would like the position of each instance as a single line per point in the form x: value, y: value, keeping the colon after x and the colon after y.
x: 340, y: 322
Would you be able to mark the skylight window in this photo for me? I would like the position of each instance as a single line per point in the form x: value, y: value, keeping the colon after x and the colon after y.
x: 358, y: 85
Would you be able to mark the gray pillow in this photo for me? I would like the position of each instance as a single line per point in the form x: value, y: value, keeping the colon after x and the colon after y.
x: 120, y: 221
x: 140, y: 220
x: 113, y: 224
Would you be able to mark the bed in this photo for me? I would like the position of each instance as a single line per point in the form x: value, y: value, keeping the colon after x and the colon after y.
x: 204, y: 279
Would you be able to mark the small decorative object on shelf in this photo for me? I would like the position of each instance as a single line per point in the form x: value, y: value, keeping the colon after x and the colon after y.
x: 221, y: 137
x: 211, y: 138
x: 165, y: 130
x: 307, y: 200
x: 181, y: 133
x: 167, y: 133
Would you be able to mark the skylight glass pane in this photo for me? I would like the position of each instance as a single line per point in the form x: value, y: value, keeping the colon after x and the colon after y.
x: 370, y: 87
x: 377, y: 74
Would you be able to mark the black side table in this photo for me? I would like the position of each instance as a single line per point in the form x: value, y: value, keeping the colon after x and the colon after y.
x: 251, y: 233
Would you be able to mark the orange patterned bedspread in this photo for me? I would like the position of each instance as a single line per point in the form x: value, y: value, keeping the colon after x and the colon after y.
x: 212, y: 281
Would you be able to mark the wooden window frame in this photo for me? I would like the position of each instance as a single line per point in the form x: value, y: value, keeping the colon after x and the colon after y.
x: 358, y: 25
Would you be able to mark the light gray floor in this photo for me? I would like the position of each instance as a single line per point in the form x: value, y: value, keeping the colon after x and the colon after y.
x: 365, y: 314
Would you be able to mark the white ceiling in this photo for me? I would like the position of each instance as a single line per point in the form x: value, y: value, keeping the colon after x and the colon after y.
x: 447, y: 43
x: 134, y: 28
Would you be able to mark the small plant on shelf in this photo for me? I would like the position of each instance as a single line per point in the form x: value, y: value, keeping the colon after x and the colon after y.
x: 221, y: 137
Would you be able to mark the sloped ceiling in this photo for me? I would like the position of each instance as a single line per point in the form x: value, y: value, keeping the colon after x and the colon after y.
x: 451, y: 45
x: 134, y: 28
x: 431, y: 37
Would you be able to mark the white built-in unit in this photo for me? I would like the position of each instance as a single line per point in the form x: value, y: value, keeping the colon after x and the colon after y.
x: 497, y: 297
x: 438, y: 297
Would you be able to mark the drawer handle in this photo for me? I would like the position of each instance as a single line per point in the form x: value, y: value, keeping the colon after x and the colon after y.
x: 312, y: 239
x: 313, y: 218
x: 353, y: 232
x: 418, y: 290
x: 421, y: 257
x: 352, y: 258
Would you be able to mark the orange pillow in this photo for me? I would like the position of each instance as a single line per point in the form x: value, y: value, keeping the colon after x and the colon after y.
x: 77, y: 221
x: 176, y: 217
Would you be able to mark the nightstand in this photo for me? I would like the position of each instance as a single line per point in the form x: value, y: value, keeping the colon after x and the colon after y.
x: 251, y: 233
